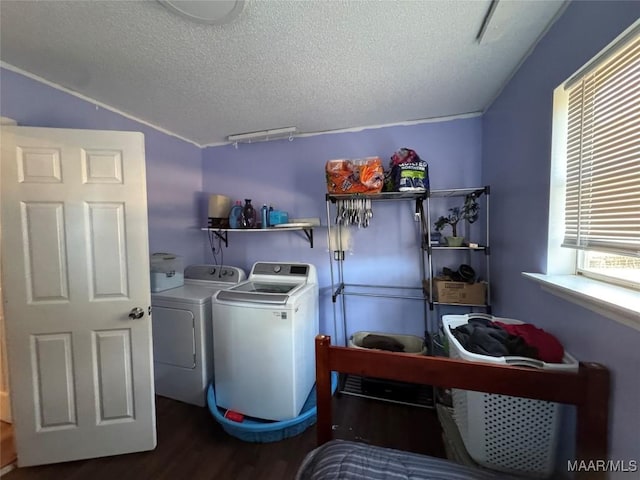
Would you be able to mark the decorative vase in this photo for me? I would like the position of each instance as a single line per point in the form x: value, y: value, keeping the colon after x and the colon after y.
x: 455, y: 241
x: 248, y: 218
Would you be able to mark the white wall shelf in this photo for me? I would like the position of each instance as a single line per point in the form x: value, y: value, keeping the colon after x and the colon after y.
x: 222, y: 233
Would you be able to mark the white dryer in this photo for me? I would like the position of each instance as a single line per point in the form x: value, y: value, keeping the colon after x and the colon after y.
x: 182, y: 338
x: 263, y: 335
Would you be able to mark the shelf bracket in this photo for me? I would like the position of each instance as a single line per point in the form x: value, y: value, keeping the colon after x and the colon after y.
x: 222, y: 235
x: 309, y: 233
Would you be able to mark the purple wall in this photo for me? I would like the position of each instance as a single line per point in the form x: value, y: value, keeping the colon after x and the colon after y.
x: 288, y: 175
x: 291, y: 177
x: 174, y: 167
x: 516, y: 161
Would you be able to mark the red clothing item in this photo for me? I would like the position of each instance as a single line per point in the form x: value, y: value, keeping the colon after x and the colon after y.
x: 550, y: 350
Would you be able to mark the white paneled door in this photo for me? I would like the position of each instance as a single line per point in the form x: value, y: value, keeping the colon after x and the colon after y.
x: 76, y: 292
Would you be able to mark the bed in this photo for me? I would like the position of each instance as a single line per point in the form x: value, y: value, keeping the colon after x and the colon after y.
x: 588, y: 390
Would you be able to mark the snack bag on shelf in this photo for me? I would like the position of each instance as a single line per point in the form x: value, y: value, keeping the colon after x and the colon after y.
x: 364, y: 175
x: 409, y: 173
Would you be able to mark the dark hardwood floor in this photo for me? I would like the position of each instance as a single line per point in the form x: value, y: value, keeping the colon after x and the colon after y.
x: 192, y: 445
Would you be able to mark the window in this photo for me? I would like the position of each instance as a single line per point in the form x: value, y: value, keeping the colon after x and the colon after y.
x: 593, y: 249
x: 602, y: 164
x: 609, y: 267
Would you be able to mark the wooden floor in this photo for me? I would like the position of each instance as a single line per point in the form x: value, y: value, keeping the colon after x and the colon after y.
x: 192, y: 445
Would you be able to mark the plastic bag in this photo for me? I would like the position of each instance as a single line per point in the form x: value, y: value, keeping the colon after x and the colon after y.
x: 364, y: 175
x: 409, y: 173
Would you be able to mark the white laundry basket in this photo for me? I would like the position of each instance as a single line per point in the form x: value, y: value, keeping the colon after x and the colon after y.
x: 510, y: 434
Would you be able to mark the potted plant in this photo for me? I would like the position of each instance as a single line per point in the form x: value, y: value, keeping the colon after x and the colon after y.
x: 468, y: 212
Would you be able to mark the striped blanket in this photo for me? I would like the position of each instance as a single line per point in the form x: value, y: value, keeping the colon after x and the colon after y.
x: 339, y: 459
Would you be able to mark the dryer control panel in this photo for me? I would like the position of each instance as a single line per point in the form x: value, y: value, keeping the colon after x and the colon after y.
x: 214, y: 273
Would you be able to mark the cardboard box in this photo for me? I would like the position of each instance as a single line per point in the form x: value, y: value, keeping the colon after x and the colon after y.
x: 447, y: 291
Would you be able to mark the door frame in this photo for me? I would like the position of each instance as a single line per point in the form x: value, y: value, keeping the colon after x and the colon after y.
x: 5, y: 397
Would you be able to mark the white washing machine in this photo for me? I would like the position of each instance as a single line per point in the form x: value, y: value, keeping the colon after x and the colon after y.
x: 264, y: 341
x: 182, y: 338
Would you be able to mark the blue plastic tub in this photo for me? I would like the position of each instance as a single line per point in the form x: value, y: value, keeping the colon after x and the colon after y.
x: 264, y: 431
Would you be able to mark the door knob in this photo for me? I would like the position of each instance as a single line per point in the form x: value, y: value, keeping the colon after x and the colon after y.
x: 136, y: 313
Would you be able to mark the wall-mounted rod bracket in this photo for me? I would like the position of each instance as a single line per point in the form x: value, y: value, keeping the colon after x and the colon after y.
x: 337, y: 292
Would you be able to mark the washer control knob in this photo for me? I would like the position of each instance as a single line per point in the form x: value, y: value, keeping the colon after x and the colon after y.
x: 277, y: 268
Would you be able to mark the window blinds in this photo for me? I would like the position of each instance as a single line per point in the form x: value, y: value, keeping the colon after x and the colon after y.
x: 602, y: 207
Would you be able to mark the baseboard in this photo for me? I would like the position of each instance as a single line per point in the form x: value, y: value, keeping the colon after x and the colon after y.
x: 5, y: 407
x: 7, y: 468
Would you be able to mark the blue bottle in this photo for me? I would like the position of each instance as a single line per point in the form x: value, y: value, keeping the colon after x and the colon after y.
x: 234, y: 215
x: 264, y: 214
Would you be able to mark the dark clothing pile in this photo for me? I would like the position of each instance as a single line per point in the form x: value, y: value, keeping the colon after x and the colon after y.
x: 496, y: 339
x: 382, y: 342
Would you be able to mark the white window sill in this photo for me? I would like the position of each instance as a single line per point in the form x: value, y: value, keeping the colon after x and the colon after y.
x: 618, y: 303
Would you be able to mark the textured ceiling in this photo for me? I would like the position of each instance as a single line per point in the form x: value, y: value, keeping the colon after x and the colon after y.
x: 317, y: 65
